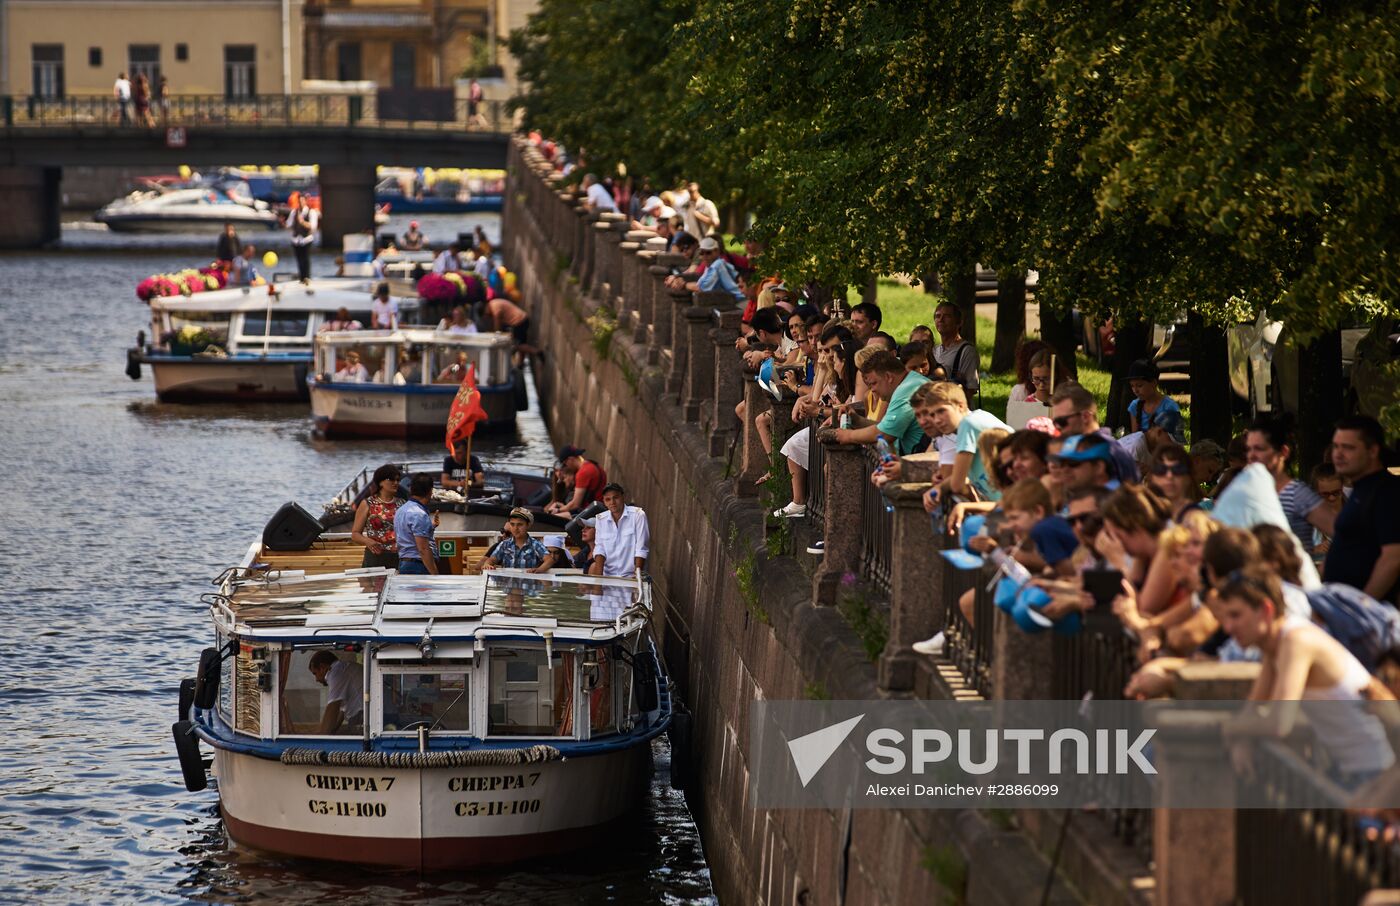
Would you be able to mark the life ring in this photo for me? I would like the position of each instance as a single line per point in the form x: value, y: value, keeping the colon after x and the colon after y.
x: 186, y: 697
x: 206, y: 679
x: 191, y: 763
x: 679, y: 734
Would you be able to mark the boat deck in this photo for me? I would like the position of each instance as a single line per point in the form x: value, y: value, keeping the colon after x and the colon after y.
x: 338, y: 554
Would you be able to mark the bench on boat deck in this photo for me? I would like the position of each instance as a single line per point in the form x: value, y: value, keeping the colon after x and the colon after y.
x: 340, y: 555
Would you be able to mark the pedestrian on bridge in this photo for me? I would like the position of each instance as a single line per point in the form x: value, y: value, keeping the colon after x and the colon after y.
x: 121, y: 90
x: 305, y: 220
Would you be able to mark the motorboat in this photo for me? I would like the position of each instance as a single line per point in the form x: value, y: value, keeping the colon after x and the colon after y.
x: 507, y: 485
x: 401, y: 383
x: 467, y: 719
x: 198, y: 208
x: 247, y: 344
x: 452, y: 192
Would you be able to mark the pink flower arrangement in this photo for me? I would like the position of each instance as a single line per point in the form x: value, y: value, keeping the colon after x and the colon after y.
x: 436, y: 288
x: 185, y: 282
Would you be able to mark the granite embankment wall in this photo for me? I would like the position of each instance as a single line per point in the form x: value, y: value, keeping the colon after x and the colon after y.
x: 738, y: 627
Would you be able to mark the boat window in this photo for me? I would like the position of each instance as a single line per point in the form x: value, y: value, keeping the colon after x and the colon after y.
x: 225, y: 683
x: 215, y: 323
x: 605, y: 680
x: 410, y: 365
x: 360, y: 362
x: 280, y: 324
x: 305, y: 697
x: 450, y: 364
x: 590, y: 599
x: 528, y: 698
x: 247, y: 696
x: 437, y: 699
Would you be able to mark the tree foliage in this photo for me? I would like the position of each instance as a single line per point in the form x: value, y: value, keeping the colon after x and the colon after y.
x: 1225, y: 158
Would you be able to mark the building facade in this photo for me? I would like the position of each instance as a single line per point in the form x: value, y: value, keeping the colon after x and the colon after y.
x: 59, y: 48
x: 398, y: 44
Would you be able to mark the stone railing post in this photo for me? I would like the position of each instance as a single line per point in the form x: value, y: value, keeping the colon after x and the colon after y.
x: 600, y: 239
x: 564, y: 223
x: 753, y: 462
x: 916, y: 610
x: 626, y: 294
x: 659, y: 334
x: 681, y: 300
x: 617, y: 228
x: 1023, y: 665
x: 634, y: 280
x: 699, y: 388
x: 845, y: 498
x: 729, y: 378
x: 1193, y: 849
x: 783, y: 425
x: 645, y: 300
x: 585, y: 263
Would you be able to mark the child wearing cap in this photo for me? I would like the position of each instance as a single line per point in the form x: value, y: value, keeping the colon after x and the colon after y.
x: 1151, y: 408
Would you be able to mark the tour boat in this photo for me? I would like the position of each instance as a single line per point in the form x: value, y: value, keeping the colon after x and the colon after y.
x: 247, y: 343
x: 407, y: 379
x: 497, y: 717
x: 193, y: 209
x: 508, y: 485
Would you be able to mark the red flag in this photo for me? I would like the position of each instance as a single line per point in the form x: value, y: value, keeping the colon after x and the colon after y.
x: 466, y: 410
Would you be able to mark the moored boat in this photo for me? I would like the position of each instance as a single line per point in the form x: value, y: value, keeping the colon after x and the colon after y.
x: 465, y: 720
x: 191, y: 209
x: 247, y: 344
x: 401, y: 383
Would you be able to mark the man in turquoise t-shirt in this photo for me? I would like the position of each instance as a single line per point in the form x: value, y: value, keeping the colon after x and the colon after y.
x: 970, y: 428
x: 886, y: 376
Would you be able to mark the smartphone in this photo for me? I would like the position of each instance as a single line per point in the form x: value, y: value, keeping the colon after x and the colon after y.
x: 1104, y: 585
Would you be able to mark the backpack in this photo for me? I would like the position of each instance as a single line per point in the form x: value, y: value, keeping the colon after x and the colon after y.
x: 1367, y: 627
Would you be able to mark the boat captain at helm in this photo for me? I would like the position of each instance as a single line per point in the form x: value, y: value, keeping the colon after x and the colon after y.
x: 345, y: 705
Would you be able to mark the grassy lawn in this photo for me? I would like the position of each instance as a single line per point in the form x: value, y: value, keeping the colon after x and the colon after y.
x: 906, y: 307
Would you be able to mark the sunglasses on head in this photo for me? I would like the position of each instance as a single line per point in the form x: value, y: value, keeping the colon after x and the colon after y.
x: 1175, y: 468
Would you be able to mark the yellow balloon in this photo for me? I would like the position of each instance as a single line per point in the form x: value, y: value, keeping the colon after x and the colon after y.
x: 270, y: 259
x: 510, y: 280
x: 184, y: 171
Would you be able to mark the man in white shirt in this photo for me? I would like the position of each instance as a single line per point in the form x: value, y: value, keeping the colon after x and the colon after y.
x: 121, y: 90
x: 346, y: 696
x: 598, y: 197
x: 305, y: 221
x: 383, y: 312
x: 449, y: 259
x: 701, y: 215
x: 621, y: 536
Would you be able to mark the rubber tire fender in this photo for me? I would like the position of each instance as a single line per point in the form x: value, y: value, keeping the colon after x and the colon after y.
x: 191, y: 763
x: 206, y: 679
x: 186, y: 697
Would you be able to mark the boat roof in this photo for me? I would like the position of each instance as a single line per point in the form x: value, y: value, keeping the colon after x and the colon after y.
x: 262, y: 600
x: 413, y: 336
x: 323, y: 295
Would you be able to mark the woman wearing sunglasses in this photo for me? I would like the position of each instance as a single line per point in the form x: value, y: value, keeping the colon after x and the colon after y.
x: 1171, y: 477
x: 1270, y: 442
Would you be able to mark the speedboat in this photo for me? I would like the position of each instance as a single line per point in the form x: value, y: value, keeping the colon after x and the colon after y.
x: 507, y: 485
x: 465, y: 194
x: 467, y: 719
x: 182, y: 210
x: 246, y: 343
x: 401, y: 383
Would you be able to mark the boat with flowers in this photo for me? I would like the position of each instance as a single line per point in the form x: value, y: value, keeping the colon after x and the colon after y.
x: 250, y: 344
x: 401, y: 383
x: 422, y: 722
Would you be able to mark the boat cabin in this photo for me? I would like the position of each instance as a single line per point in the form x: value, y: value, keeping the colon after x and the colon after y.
x: 280, y: 319
x: 412, y: 357
x: 436, y: 663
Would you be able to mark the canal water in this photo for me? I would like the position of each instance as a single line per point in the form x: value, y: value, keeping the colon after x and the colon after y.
x: 121, y: 511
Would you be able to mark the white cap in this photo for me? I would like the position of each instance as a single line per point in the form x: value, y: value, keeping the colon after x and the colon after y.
x: 591, y: 522
x: 653, y: 201
x: 709, y: 243
x: 554, y: 541
x: 666, y: 212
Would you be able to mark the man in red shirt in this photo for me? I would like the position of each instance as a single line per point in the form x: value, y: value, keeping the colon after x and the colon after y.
x: 587, y: 478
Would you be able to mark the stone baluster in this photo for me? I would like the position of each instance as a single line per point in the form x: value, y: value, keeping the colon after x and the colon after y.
x: 729, y: 378
x: 753, y: 461
x: 583, y: 246
x: 699, y: 386
x: 617, y: 228
x: 565, y: 223
x: 636, y: 283
x: 1023, y: 665
x: 1193, y: 849
x: 845, y: 500
x: 645, y: 301
x: 783, y: 425
x: 627, y: 294
x: 659, y: 336
x: 916, y: 611
x: 681, y: 300
x: 597, y: 288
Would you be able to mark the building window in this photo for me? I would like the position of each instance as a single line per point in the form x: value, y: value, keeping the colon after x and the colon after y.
x: 347, y: 62
x: 240, y: 70
x: 48, y: 70
x: 403, y: 65
x: 182, y: 52
x: 144, y: 59
x: 94, y: 56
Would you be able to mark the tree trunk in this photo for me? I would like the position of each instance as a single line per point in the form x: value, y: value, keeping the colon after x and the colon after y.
x: 962, y: 292
x: 1011, y: 319
x: 1130, y: 344
x: 870, y: 291
x: 932, y: 285
x: 1057, y: 329
x: 1319, y: 397
x: 823, y: 296
x: 1210, y: 380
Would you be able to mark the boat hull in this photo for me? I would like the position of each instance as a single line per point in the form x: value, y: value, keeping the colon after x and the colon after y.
x: 182, y: 223
x: 400, y: 204
x: 373, y: 410
x: 430, y: 819
x: 186, y: 379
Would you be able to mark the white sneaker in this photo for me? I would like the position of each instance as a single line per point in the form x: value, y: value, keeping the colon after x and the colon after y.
x: 817, y: 547
x: 791, y: 511
x: 930, y: 646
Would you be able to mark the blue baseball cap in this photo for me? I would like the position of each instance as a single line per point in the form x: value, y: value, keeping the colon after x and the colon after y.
x: 1086, y: 448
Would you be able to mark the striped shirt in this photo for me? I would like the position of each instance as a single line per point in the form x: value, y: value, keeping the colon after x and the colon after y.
x: 1298, y: 501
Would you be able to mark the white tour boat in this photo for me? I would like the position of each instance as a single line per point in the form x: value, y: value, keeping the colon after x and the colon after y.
x: 247, y: 343
x: 401, y: 383
x: 494, y: 717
